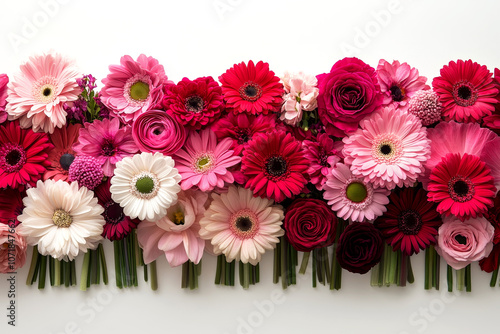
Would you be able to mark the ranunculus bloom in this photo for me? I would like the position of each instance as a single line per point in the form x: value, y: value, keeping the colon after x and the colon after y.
x: 346, y: 95
x: 360, y: 247
x: 310, y: 224
x: 156, y: 131
x: 461, y: 243
x: 12, y: 246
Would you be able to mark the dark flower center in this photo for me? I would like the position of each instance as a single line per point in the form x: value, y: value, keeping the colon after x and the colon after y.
x: 396, y: 93
x: 108, y: 149
x: 157, y: 131
x: 66, y: 160
x: 113, y: 213
x: 276, y: 166
x: 194, y: 104
x: 464, y: 93
x: 461, y: 239
x: 385, y: 149
x: 244, y: 224
x: 13, y: 157
x: 47, y: 91
x: 409, y: 222
x: 250, y: 91
x: 461, y: 189
x: 323, y: 159
x: 244, y: 135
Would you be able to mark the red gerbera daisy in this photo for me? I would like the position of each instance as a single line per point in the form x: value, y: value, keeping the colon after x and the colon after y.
x: 466, y: 90
x: 275, y: 166
x: 252, y: 89
x: 118, y: 225
x: 11, y: 206
x: 62, y: 156
x: 195, y: 103
x: 462, y: 185
x: 411, y: 222
x: 23, y: 156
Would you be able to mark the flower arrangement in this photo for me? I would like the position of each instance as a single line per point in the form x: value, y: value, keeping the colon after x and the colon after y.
x: 355, y: 169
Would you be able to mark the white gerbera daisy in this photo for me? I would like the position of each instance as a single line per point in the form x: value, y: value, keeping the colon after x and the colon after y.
x: 61, y: 219
x: 241, y: 226
x: 145, y: 185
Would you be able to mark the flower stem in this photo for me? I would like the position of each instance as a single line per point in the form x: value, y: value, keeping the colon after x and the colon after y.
x: 57, y: 273
x: 276, y: 266
x: 305, y: 261
x: 449, y: 278
x: 284, y: 267
x: 51, y: 270
x: 102, y: 256
x: 193, y: 277
x: 246, y: 276
x: 375, y: 275
x: 218, y: 270
x: 73, y: 272
x: 116, y: 245
x: 314, y: 269
x: 67, y: 274
x: 33, y: 267
x: 468, y: 283
x: 185, y: 275
x: 494, y: 277
x: 410, y: 276
x: 42, y: 272
x: 460, y: 279
x: 85, y: 271
x: 154, y: 281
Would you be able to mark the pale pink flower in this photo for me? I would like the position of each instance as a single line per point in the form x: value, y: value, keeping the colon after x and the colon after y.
x: 12, y: 249
x: 301, y: 92
x: 177, y: 234
x: 37, y: 94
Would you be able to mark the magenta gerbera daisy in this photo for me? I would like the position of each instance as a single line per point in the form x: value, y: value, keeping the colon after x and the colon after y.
x: 252, y: 89
x: 466, y: 90
x: 194, y: 103
x: 37, y: 95
x: 322, y: 156
x: 107, y: 142
x: 62, y: 155
x: 353, y: 198
x: 275, y: 166
x: 462, y: 185
x: 204, y: 162
x: 23, y: 156
x: 389, y: 150
x: 411, y: 222
x: 398, y: 82
x: 242, y: 127
x: 133, y: 87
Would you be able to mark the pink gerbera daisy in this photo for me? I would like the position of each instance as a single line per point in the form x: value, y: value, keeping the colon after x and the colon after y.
x: 322, y: 156
x: 242, y: 127
x: 23, y: 156
x: 133, y: 87
x: 462, y: 185
x: 275, y: 166
x: 398, y: 82
x: 38, y: 93
x: 389, y: 150
x: 466, y: 90
x: 252, y: 89
x: 105, y: 141
x: 353, y: 198
x: 62, y: 155
x: 204, y: 163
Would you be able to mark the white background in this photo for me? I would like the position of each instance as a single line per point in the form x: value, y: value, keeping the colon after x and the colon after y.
x: 205, y: 37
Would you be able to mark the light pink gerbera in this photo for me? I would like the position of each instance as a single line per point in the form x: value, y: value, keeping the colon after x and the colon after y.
x: 177, y: 234
x: 133, y: 87
x: 204, y: 163
x: 398, y: 82
x: 389, y: 150
x: 37, y: 94
x: 353, y: 198
x: 105, y: 141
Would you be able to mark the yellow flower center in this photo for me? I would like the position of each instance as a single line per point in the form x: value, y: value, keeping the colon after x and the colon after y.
x: 61, y: 218
x: 179, y: 218
x: 139, y: 91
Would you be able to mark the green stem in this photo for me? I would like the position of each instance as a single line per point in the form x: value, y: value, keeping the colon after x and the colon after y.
x: 104, y: 266
x: 460, y: 279
x: 85, y: 271
x: 375, y: 273
x: 33, y: 265
x: 67, y: 274
x: 410, y: 276
x: 118, y: 271
x: 185, y: 275
x: 276, y: 264
x: 427, y: 274
x: 257, y: 273
x: 449, y: 278
x: 218, y: 270
x: 284, y: 267
x: 305, y: 261
x: 192, y: 276
x: 154, y: 281
x: 393, y: 266
x: 314, y: 268
x: 494, y: 277
x: 43, y: 272
x: 73, y: 272
x: 57, y: 273
x: 246, y: 276
x: 51, y: 270
x: 468, y: 283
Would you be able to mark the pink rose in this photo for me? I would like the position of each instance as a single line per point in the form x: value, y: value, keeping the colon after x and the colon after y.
x: 12, y: 249
x: 156, y: 131
x: 461, y: 243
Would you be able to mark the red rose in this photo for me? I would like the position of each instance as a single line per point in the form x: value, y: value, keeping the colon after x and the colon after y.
x: 310, y: 224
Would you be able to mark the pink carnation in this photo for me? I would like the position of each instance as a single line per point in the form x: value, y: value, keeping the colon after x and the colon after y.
x: 11, y: 243
x: 461, y: 243
x: 301, y: 93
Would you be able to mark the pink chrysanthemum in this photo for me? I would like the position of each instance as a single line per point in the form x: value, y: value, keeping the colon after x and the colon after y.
x: 322, y: 156
x: 242, y: 128
x: 462, y: 185
x: 105, y: 141
x: 252, y: 89
x: 398, y: 82
x: 38, y: 93
x: 4, y: 80
x: 204, y: 163
x: 466, y: 90
x: 389, y: 150
x: 23, y: 156
x: 275, y: 166
x: 62, y: 155
x: 194, y: 103
x: 452, y: 137
x: 87, y: 171
x: 133, y: 87
x: 353, y: 198
x: 425, y: 105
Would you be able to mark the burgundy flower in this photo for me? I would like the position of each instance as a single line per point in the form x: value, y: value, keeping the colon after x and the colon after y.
x: 490, y: 263
x: 360, y: 247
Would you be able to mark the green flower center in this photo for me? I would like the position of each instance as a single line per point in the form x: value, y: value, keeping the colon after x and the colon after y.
x: 145, y: 185
x: 139, y: 91
x: 356, y: 192
x: 61, y: 218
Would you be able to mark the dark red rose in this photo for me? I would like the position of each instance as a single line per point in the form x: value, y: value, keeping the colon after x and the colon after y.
x: 490, y: 263
x: 360, y: 247
x: 310, y: 224
x: 346, y: 95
